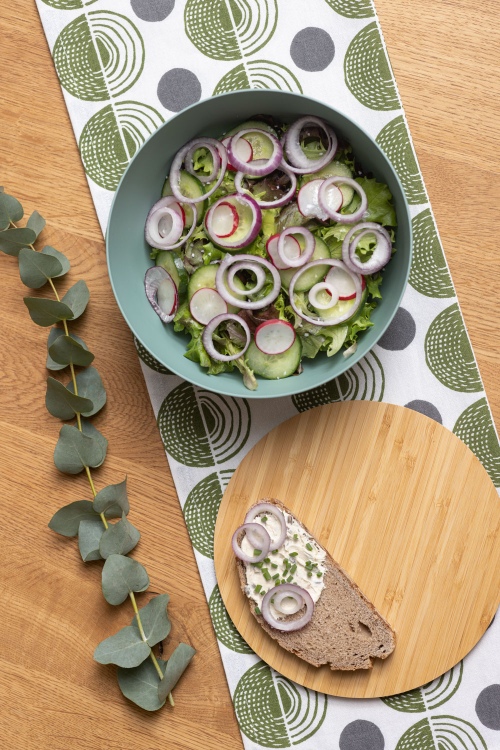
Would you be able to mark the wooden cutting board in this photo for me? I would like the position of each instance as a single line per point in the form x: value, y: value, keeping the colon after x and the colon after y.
x: 405, y: 508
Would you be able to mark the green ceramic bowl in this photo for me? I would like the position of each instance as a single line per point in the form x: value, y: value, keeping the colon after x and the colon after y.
x: 140, y: 187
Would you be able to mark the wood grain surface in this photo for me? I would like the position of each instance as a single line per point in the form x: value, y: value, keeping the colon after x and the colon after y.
x: 409, y: 513
x: 445, y: 57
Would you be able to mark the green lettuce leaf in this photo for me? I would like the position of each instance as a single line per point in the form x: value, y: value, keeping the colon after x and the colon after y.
x: 380, y: 208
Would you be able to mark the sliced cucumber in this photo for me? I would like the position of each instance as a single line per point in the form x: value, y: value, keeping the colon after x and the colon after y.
x: 311, y: 277
x: 204, y: 277
x: 343, y: 306
x: 251, y: 124
x: 334, y: 169
x: 171, y: 262
x: 191, y: 187
x: 262, y: 147
x: 274, y: 366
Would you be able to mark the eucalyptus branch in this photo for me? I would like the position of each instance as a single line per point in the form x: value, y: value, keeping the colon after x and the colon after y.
x: 143, y: 679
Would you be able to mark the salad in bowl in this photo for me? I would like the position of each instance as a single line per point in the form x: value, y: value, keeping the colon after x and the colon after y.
x: 270, y: 244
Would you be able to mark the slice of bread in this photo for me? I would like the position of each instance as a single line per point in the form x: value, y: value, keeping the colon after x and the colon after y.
x: 345, y: 631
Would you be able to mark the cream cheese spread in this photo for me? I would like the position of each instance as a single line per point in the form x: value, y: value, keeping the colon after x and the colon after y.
x: 299, y: 560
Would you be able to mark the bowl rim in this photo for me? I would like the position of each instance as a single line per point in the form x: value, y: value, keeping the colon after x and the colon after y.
x: 199, y: 380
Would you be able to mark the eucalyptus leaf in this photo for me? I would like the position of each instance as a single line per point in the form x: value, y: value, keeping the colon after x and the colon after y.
x: 92, y: 432
x: 120, y: 576
x: 62, y: 403
x: 140, y: 685
x: 4, y: 216
x: 119, y: 538
x: 56, y: 333
x: 176, y: 666
x: 11, y: 207
x: 46, y: 312
x: 90, y: 386
x: 77, y: 298
x: 36, y: 222
x: 67, y: 519
x: 12, y: 240
x: 90, y: 532
x: 154, y: 619
x: 112, y: 497
x: 66, y: 350
x: 74, y: 451
x: 66, y: 265
x: 126, y: 649
x: 35, y: 268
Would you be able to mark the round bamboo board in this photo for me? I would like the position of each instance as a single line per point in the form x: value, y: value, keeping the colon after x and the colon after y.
x: 405, y: 508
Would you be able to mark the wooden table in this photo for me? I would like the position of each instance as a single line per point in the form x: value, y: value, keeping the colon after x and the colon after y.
x: 52, y: 693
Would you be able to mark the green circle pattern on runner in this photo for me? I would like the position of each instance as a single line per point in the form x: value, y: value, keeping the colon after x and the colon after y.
x: 394, y: 140
x: 99, y: 56
x: 448, y: 352
x: 429, y: 274
x: 200, y: 429
x: 258, y: 74
x: 475, y: 428
x: 201, y: 508
x: 69, y: 4
x: 430, y: 696
x: 275, y: 712
x: 368, y: 75
x: 364, y: 381
x: 111, y: 138
x: 230, y: 29
x: 149, y: 360
x: 442, y: 733
x: 224, y: 627
x: 352, y: 8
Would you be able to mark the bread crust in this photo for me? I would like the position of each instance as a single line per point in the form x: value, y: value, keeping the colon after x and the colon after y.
x: 346, y: 630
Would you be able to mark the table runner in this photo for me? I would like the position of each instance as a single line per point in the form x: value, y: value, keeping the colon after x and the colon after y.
x: 126, y: 67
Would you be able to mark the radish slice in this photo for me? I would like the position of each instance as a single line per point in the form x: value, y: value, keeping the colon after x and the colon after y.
x: 324, y: 200
x: 343, y: 282
x: 305, y: 255
x: 274, y: 336
x: 225, y: 220
x: 248, y: 214
x: 244, y: 151
x: 161, y: 293
x: 206, y: 304
x: 333, y: 199
x: 291, y: 250
x: 257, y: 167
x: 307, y: 200
x: 291, y: 590
x: 329, y: 300
x: 207, y: 339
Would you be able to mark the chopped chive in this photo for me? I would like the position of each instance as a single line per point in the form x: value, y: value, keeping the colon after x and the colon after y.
x: 273, y: 565
x: 319, y: 575
x: 266, y: 574
x: 258, y: 588
x: 263, y: 519
x: 258, y: 565
x: 309, y: 547
x: 276, y: 576
x: 289, y: 579
x: 274, y: 552
x: 293, y: 554
x: 295, y: 537
x: 257, y: 552
x: 267, y: 560
x: 308, y: 564
x: 257, y: 611
x: 293, y: 569
x: 309, y: 574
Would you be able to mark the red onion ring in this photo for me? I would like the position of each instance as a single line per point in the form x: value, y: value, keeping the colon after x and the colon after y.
x: 250, y: 262
x: 380, y: 256
x: 270, y: 509
x: 306, y: 253
x: 270, y: 204
x: 175, y: 169
x: 339, y: 318
x: 323, y: 286
x: 299, y: 162
x: 287, y: 625
x: 154, y: 277
x: 167, y: 206
x: 208, y: 343
x: 335, y: 215
x: 260, y: 277
x: 189, y: 161
x: 239, y: 552
x: 257, y: 167
x: 235, y: 199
